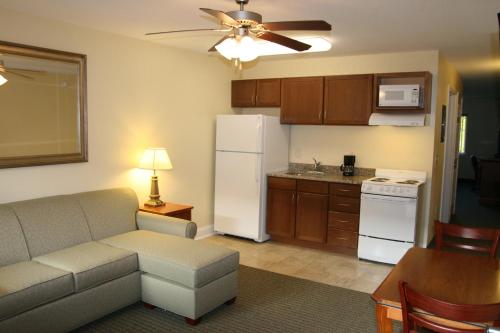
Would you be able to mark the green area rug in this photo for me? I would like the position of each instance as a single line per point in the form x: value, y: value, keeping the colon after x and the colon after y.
x: 267, y: 302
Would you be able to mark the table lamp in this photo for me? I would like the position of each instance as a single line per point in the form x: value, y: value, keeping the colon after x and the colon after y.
x: 155, y: 159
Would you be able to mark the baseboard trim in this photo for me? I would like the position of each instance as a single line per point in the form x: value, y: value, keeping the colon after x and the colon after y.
x: 205, y: 232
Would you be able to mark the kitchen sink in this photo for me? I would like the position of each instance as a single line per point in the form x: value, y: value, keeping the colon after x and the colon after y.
x: 307, y: 173
x: 315, y: 173
x: 293, y: 173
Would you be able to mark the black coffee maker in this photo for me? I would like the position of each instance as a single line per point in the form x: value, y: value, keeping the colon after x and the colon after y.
x: 348, y: 167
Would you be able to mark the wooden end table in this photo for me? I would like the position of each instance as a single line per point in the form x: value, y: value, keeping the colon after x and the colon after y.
x: 453, y: 277
x: 170, y: 209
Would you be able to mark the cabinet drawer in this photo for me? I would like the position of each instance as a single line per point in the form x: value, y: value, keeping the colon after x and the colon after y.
x: 346, y: 190
x: 343, y: 221
x: 281, y: 183
x: 312, y: 186
x: 344, y: 204
x: 342, y: 238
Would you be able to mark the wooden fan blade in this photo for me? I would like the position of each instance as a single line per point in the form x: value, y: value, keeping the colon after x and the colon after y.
x: 212, y: 49
x: 285, y: 41
x: 298, y: 25
x: 221, y: 16
x: 173, y: 31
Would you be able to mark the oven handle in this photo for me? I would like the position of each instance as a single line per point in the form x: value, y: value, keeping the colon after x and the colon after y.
x: 375, y: 197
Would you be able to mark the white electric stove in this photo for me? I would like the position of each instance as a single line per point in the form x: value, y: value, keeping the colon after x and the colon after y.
x: 388, y: 215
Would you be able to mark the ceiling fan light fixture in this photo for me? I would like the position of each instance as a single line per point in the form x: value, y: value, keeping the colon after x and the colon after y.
x: 228, y: 48
x: 3, y: 80
x: 247, y: 49
x: 244, y: 49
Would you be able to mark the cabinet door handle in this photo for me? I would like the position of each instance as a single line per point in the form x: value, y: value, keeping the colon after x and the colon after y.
x: 319, y: 114
x: 343, y: 190
x: 342, y: 238
x: 293, y: 197
x: 343, y: 204
x: 342, y: 221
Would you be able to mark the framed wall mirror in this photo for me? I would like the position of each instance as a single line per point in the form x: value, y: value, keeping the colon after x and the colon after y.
x: 43, y: 111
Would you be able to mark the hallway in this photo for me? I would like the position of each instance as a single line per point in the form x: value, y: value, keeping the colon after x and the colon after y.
x: 469, y: 212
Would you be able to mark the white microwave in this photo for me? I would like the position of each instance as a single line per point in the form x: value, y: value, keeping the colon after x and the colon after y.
x: 405, y: 95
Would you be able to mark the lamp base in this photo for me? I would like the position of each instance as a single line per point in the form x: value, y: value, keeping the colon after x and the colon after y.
x: 154, y: 203
x: 154, y: 197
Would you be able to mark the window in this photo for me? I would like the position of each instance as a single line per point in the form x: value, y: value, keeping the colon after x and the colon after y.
x: 463, y: 134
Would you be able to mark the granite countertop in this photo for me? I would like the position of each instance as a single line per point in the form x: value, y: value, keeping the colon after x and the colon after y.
x: 327, y: 177
x: 331, y: 174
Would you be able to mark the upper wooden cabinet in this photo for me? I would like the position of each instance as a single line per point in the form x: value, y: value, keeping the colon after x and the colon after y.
x: 243, y: 93
x: 302, y: 100
x: 423, y: 79
x: 268, y: 93
x: 348, y: 99
x: 330, y: 100
x: 256, y: 93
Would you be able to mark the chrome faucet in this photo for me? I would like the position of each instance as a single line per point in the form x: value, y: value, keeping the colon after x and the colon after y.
x: 316, y: 165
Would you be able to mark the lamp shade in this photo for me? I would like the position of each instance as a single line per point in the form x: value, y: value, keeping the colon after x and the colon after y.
x: 155, y: 159
x: 3, y: 80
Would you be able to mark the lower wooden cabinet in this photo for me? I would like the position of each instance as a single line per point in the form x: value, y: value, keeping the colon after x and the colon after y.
x: 281, y: 206
x: 312, y: 217
x: 314, y: 213
x: 343, y: 238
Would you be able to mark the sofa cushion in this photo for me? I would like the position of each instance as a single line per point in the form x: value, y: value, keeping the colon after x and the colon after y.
x: 28, y: 284
x: 109, y: 212
x: 52, y: 223
x: 12, y: 243
x: 92, y: 263
x: 184, y: 261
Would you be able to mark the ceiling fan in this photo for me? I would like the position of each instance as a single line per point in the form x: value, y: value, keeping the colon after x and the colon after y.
x: 241, y: 25
x: 12, y: 71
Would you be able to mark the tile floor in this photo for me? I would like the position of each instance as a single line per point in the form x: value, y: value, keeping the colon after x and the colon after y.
x: 320, y: 266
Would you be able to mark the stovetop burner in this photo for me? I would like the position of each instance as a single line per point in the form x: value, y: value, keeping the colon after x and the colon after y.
x: 379, y: 180
x: 409, y: 182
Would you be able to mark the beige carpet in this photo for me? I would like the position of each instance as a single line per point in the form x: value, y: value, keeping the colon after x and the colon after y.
x: 267, y: 302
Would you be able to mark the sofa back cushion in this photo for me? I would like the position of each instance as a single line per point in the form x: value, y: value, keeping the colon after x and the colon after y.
x: 52, y: 223
x: 109, y: 212
x: 13, y: 247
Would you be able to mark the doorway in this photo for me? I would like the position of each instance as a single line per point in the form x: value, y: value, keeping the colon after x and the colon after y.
x: 451, y: 117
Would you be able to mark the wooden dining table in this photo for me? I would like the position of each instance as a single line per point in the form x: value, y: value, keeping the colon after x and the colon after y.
x: 448, y: 276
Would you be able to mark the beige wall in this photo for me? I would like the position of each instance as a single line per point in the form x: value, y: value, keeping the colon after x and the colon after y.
x: 139, y: 94
x: 374, y: 147
x: 448, y: 79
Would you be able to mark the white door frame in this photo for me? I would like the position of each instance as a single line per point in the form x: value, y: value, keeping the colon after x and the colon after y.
x: 450, y: 163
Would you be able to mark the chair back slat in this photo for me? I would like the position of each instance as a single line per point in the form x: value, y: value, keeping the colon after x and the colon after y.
x: 411, y: 299
x: 479, y: 234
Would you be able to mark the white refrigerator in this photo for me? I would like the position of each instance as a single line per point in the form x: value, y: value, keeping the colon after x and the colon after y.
x: 247, y: 148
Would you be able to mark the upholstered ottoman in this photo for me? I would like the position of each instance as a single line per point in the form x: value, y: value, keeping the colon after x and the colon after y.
x: 187, y: 277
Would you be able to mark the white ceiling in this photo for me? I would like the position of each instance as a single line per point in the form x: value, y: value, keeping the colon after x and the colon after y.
x: 466, y: 31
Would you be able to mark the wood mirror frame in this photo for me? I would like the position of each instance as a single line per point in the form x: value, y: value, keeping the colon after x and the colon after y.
x: 76, y: 149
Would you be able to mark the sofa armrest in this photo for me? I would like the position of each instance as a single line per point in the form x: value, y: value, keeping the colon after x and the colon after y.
x: 166, y: 224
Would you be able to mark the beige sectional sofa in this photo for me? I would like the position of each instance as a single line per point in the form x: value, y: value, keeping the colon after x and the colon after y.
x: 68, y: 260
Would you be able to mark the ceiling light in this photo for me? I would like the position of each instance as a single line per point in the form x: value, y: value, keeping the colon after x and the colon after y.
x: 243, y: 49
x: 247, y: 49
x: 3, y: 80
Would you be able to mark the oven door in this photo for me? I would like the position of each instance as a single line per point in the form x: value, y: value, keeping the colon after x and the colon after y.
x: 386, y: 217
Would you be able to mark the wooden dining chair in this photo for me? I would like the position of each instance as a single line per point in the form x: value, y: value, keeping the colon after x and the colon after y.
x: 437, y: 310
x: 463, y: 235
